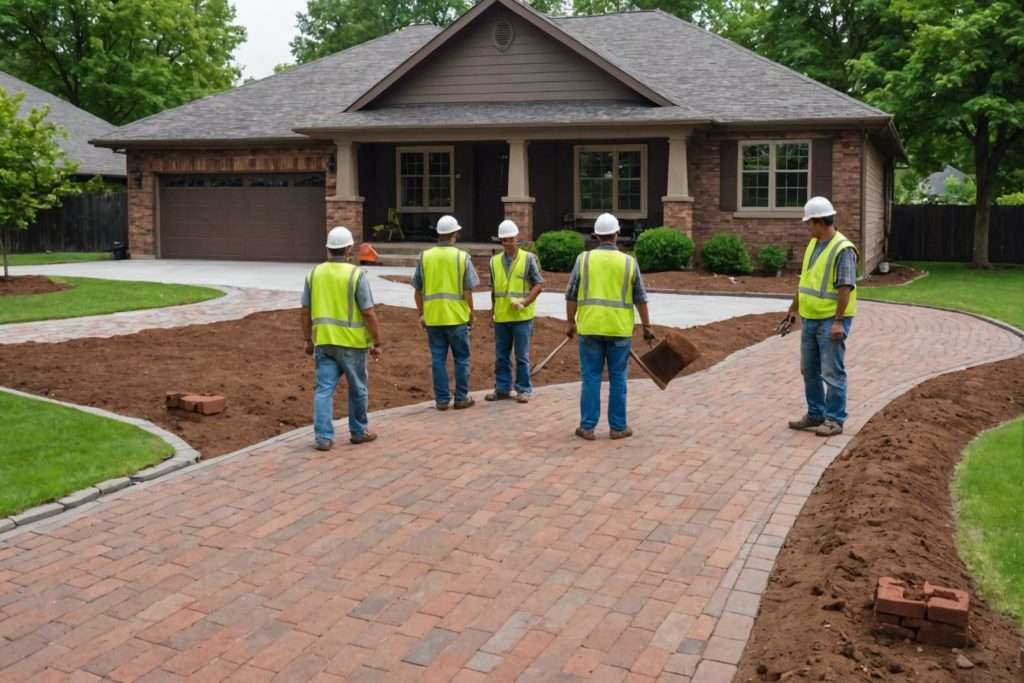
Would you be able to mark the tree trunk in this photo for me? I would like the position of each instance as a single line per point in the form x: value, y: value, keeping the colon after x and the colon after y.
x: 3, y: 248
x: 982, y: 212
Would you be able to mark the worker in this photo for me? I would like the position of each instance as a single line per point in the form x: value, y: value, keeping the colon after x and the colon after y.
x: 444, y: 282
x: 339, y: 325
x: 826, y: 301
x: 516, y: 283
x: 604, y: 286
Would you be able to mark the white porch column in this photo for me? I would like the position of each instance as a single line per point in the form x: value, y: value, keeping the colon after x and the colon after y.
x: 678, y: 182
x: 347, y: 187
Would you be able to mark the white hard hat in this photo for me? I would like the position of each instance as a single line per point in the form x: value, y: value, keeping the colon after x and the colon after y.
x: 818, y: 207
x: 606, y: 224
x: 446, y: 225
x: 339, y: 238
x: 507, y: 228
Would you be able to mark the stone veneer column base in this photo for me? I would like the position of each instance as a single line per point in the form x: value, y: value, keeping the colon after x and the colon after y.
x: 678, y: 214
x: 522, y: 213
x: 346, y: 212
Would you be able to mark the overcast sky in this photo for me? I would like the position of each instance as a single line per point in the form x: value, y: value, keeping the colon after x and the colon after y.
x: 271, y: 26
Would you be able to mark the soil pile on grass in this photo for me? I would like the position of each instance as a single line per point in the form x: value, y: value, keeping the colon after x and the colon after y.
x: 29, y: 284
x: 884, y: 509
x: 258, y: 363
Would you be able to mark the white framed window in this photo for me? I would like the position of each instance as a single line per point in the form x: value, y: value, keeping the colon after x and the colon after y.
x: 774, y: 174
x: 610, y: 178
x: 425, y: 178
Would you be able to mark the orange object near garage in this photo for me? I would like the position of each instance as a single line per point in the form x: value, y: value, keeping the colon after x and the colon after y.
x: 367, y: 254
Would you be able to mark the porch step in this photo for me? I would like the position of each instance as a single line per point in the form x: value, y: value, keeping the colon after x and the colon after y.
x: 413, y: 249
x: 398, y: 260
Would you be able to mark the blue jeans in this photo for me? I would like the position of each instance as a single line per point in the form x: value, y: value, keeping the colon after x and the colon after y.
x: 331, y: 363
x: 441, y: 338
x: 823, y: 368
x: 507, y: 335
x: 595, y: 352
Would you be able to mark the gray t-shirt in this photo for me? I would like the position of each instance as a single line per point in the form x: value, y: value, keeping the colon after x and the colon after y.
x: 364, y: 297
x: 469, y: 280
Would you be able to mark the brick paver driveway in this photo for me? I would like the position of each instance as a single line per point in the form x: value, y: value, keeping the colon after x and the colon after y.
x: 488, y: 544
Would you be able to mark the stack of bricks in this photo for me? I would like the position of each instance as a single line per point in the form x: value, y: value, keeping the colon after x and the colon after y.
x: 195, y: 403
x: 939, y: 617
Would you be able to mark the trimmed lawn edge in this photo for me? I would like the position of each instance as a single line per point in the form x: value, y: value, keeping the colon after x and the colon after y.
x: 182, y: 456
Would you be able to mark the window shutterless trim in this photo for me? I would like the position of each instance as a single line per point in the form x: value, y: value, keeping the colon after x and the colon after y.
x: 424, y: 152
x: 614, y: 150
x: 740, y: 207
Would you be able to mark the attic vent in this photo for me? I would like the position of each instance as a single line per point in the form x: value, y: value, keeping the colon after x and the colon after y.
x: 503, y: 34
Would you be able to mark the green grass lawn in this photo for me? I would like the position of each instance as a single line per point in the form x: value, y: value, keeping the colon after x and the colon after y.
x: 990, y: 532
x: 42, y: 259
x: 49, y: 451
x: 88, y: 296
x: 997, y: 293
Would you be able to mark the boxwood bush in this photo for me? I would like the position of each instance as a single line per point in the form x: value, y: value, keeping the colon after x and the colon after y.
x: 557, y: 250
x: 662, y: 249
x: 772, y: 259
x: 725, y: 253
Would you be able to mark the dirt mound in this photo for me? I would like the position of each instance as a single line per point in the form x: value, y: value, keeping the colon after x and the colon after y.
x: 884, y: 509
x: 29, y: 284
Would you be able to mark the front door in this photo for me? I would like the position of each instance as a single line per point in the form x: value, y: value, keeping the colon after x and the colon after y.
x: 491, y: 172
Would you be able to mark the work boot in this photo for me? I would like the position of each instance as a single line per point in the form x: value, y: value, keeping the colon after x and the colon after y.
x: 441, y: 406
x: 323, y: 444
x: 365, y: 437
x: 625, y: 433
x: 462, y: 405
x: 829, y: 428
x: 522, y: 398
x: 497, y: 396
x: 806, y: 422
x: 587, y: 434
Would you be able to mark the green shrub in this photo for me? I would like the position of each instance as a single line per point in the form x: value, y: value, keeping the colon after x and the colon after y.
x: 662, y: 249
x: 557, y: 250
x: 725, y: 253
x: 772, y: 259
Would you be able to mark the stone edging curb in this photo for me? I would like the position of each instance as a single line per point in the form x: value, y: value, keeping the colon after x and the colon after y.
x: 184, y: 455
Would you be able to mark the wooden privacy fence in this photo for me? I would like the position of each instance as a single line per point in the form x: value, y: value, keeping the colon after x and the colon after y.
x: 945, y: 232
x: 86, y: 222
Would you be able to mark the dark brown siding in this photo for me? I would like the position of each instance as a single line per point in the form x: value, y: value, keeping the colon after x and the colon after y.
x: 821, y: 167
x: 727, y: 179
x: 536, y: 67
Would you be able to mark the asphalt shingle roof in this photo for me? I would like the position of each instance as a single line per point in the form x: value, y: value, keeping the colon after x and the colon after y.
x: 80, y: 124
x: 707, y: 78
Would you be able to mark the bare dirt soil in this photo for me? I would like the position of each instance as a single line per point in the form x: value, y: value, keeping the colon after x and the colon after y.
x: 700, y: 281
x: 29, y: 284
x: 884, y: 509
x: 259, y: 365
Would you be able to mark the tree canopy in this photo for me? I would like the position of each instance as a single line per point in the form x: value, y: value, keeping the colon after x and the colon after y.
x: 121, y: 59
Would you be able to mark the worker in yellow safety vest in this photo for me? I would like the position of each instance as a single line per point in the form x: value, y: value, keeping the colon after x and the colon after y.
x: 444, y: 282
x: 826, y: 301
x: 339, y: 326
x: 516, y: 283
x: 604, y: 286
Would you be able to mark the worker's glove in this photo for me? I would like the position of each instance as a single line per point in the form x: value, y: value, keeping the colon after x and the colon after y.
x: 649, y: 335
x: 518, y: 304
x: 786, y: 325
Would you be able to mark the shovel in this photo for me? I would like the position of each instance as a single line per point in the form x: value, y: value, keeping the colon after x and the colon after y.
x: 537, y: 367
x: 667, y: 359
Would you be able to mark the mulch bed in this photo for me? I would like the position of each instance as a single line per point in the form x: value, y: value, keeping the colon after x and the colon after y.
x: 884, y: 509
x: 699, y: 281
x: 29, y: 284
x: 259, y: 365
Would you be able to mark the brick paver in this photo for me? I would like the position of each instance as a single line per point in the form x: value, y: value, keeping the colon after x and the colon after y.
x: 487, y: 544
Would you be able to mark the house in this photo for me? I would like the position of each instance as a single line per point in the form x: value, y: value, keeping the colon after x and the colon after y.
x: 935, y: 184
x: 509, y: 112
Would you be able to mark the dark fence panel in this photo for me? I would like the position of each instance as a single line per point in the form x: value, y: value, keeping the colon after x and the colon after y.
x: 86, y: 222
x: 943, y: 232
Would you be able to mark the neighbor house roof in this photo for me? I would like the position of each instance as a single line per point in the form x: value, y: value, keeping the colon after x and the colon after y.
x: 80, y: 125
x: 692, y: 76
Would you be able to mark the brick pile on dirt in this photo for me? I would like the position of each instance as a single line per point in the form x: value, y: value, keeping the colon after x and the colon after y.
x: 884, y: 509
x: 259, y: 366
x: 29, y: 284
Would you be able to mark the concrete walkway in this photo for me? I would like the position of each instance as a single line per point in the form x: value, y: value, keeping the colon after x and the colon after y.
x: 444, y: 552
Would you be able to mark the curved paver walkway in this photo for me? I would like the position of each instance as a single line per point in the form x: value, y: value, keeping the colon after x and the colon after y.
x: 447, y: 552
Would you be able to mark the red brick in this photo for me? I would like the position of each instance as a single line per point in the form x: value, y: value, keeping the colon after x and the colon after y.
x: 948, y: 606
x: 942, y: 634
x: 890, y: 599
x: 172, y: 399
x: 202, y: 404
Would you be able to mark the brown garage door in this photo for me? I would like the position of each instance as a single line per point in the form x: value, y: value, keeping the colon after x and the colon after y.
x: 266, y: 217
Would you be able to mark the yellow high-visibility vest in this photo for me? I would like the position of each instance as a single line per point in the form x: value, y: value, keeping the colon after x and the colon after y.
x: 337, y: 320
x: 605, y: 296
x: 818, y: 294
x: 512, y: 285
x: 444, y: 270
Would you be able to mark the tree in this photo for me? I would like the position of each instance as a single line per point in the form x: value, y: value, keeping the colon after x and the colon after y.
x: 121, y: 59
x: 35, y: 173
x: 959, y: 85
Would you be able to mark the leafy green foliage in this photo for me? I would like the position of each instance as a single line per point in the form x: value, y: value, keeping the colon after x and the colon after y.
x: 35, y: 173
x: 772, y: 259
x: 1011, y: 199
x: 558, y: 249
x: 121, y: 59
x: 662, y: 249
x: 726, y: 253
